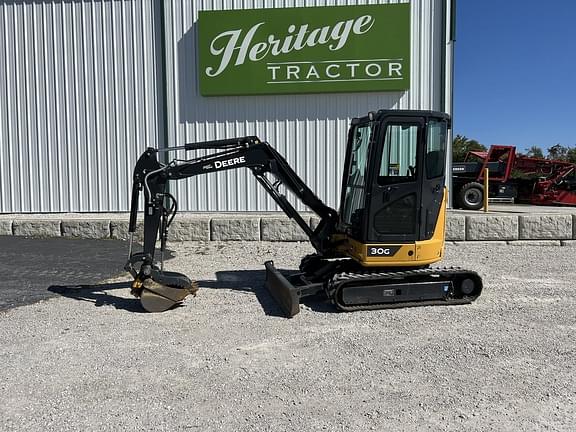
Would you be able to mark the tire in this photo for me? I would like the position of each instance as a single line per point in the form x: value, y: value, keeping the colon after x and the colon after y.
x: 471, y: 196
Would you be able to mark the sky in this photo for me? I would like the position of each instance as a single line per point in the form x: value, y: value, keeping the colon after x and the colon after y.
x: 515, y: 72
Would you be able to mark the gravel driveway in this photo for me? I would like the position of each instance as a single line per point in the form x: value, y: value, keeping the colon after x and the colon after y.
x: 90, y: 360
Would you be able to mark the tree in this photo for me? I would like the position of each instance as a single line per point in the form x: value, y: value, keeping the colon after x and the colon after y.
x: 535, y: 152
x: 558, y: 152
x: 462, y: 145
x: 571, y: 155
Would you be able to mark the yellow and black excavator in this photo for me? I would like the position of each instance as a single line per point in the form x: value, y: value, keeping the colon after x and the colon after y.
x: 374, y: 253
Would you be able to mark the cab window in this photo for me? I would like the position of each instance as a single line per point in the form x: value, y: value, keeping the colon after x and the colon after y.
x: 436, y: 148
x: 398, y: 163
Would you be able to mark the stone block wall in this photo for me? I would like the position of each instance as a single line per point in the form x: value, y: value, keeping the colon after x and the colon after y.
x: 514, y: 229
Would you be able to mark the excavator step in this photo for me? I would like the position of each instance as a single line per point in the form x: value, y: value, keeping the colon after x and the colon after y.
x: 395, y: 293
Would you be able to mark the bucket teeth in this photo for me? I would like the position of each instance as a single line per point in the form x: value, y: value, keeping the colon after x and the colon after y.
x: 136, y: 288
x: 193, y: 288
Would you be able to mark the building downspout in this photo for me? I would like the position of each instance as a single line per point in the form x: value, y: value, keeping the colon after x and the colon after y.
x: 450, y: 38
x: 161, y: 90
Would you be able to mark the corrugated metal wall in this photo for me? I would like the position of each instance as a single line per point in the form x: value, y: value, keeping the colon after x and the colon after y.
x: 81, y: 97
x: 78, y: 102
x: 310, y: 130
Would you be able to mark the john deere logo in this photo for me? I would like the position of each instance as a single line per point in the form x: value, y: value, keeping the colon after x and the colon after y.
x: 304, y: 50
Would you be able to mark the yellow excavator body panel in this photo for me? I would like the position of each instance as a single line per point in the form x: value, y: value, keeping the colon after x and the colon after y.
x: 414, y: 254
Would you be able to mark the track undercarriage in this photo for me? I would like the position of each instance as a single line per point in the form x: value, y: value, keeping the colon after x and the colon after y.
x: 351, y: 288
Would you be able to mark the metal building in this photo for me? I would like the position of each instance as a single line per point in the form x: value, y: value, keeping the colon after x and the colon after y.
x: 87, y: 85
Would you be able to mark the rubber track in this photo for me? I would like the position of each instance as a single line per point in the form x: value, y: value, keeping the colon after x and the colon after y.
x: 445, y: 272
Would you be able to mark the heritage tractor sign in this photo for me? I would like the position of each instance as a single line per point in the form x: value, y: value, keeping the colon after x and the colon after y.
x: 304, y: 50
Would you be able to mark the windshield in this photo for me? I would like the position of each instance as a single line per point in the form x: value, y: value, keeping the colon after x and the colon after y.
x: 353, y: 204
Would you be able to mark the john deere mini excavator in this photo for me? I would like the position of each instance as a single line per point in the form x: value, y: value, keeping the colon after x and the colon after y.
x: 372, y: 254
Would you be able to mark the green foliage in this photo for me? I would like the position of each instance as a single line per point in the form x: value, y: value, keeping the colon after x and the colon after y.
x: 535, y: 152
x: 557, y: 152
x: 563, y: 153
x: 462, y: 145
x: 517, y: 174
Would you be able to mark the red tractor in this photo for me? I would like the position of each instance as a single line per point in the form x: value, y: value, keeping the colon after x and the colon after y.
x: 512, y: 177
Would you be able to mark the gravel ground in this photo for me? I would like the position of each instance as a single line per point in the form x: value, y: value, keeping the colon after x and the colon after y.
x: 89, y: 360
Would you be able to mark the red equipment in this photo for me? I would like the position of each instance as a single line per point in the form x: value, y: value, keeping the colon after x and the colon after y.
x: 555, y: 182
x: 533, y: 180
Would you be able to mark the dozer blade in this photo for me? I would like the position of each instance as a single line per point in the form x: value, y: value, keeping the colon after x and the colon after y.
x: 286, y: 295
x: 163, y: 290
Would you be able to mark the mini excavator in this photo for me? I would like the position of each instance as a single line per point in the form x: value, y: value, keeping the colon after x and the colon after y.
x: 374, y: 253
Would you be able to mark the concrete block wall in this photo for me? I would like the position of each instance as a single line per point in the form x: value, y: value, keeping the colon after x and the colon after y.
x: 542, y: 229
x: 495, y: 228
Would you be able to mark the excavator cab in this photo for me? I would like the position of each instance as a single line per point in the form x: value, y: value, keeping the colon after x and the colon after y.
x: 393, y: 196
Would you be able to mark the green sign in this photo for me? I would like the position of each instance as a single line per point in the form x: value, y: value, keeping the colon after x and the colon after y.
x: 305, y: 50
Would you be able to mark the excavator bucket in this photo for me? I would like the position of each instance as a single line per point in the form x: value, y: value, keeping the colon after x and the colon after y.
x: 163, y: 290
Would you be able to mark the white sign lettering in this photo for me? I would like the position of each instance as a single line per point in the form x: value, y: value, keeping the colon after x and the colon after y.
x: 234, y: 47
x: 229, y: 162
x: 358, y: 70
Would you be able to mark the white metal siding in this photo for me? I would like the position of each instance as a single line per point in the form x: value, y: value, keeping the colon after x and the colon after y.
x: 310, y: 130
x: 78, y: 102
x: 80, y: 98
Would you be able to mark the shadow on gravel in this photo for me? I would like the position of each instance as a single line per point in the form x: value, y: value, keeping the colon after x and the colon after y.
x: 253, y: 281
x: 98, y: 295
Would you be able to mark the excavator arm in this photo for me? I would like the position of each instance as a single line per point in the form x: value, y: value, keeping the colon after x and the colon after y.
x: 151, y: 177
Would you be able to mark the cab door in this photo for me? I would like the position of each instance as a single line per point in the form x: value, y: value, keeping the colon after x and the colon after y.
x: 434, y: 175
x: 396, y: 182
